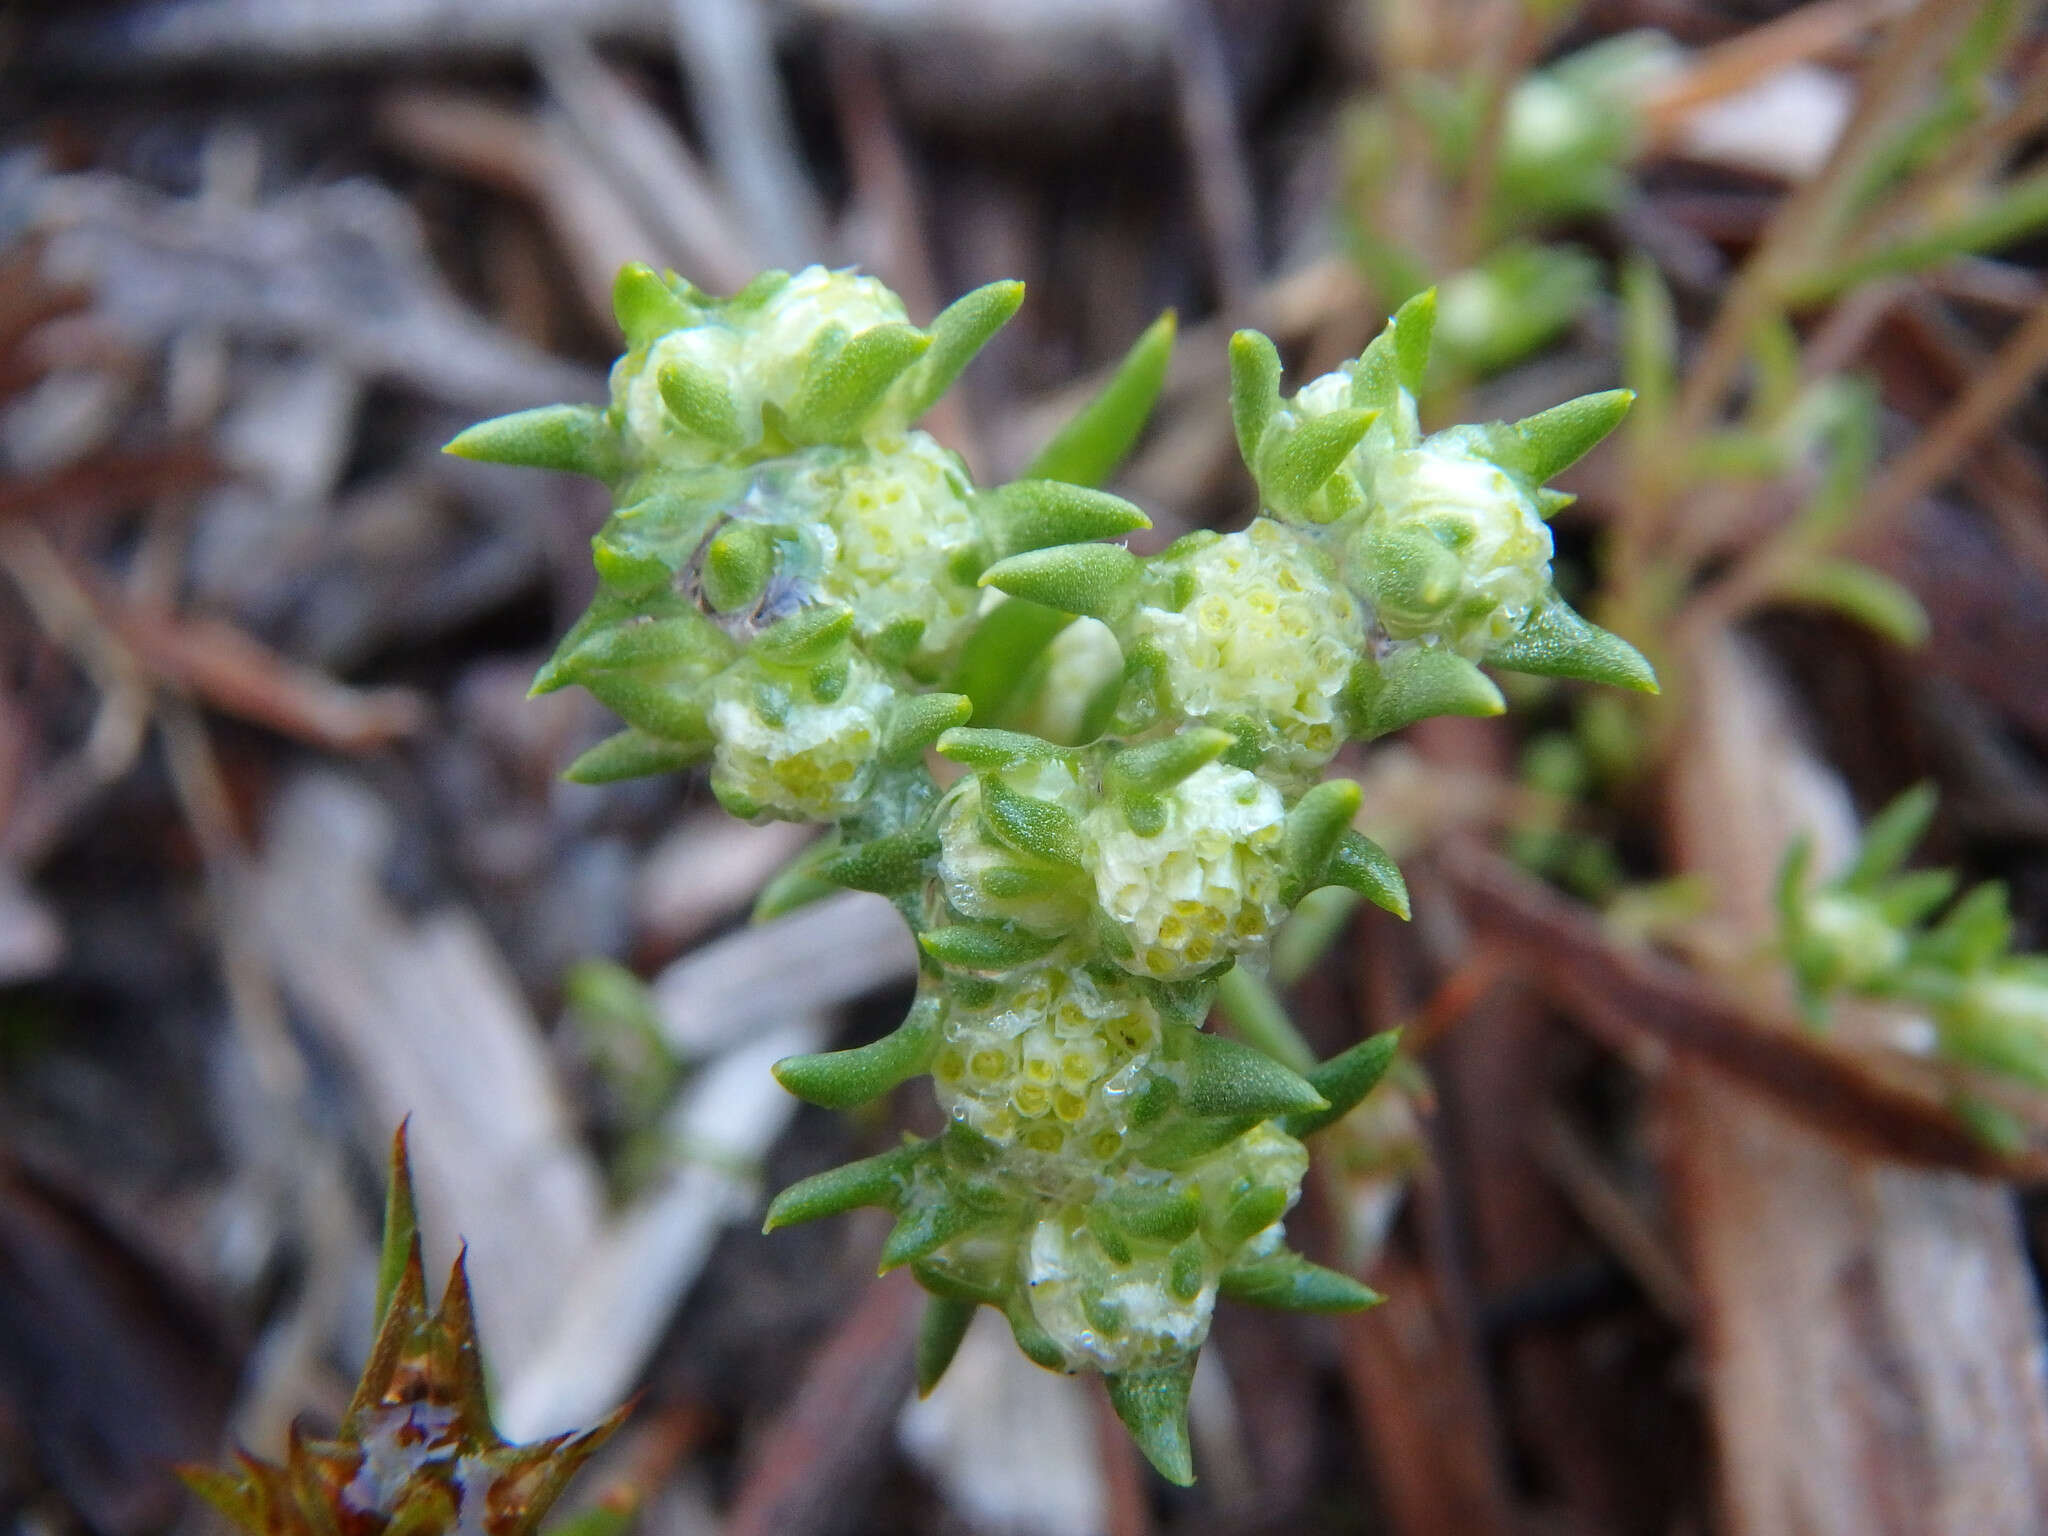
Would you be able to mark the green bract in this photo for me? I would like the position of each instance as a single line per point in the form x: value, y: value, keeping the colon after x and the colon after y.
x: 796, y: 586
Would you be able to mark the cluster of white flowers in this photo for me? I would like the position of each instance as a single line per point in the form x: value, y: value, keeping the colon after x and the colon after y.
x: 1269, y: 636
x: 901, y: 542
x: 1049, y: 1066
x: 1201, y: 886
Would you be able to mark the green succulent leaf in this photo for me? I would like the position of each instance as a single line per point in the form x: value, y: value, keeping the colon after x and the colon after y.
x: 1099, y: 581
x: 1289, y: 1282
x: 1345, y: 1079
x: 962, y: 329
x: 842, y: 1079
x: 945, y: 1323
x: 1414, y: 684
x: 1362, y: 865
x: 1229, y: 1079
x: 1557, y: 642
x: 575, y: 439
x: 1091, y: 446
x: 879, y: 1181
x: 1034, y: 514
x: 633, y: 754
x: 1153, y: 1405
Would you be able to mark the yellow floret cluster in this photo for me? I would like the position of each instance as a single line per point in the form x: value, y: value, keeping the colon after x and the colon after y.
x: 895, y: 525
x: 1049, y: 1067
x: 1205, y: 886
x: 780, y: 749
x: 1270, y: 634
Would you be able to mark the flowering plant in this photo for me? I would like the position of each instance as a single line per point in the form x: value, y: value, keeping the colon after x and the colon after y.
x: 808, y: 592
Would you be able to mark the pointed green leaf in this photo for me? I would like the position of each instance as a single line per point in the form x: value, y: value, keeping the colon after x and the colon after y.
x: 633, y: 754
x: 1362, y: 865
x: 1291, y: 1283
x: 998, y: 655
x: 1892, y: 835
x: 1345, y: 1079
x: 645, y: 306
x: 673, y: 713
x: 1549, y: 503
x: 1913, y: 898
x: 1557, y: 642
x: 636, y: 641
x: 1098, y: 580
x: 984, y: 946
x: 962, y: 329
x: 1415, y: 683
x: 976, y: 747
x: 1226, y: 1078
x: 1036, y: 1345
x: 878, y: 1180
x: 1254, y: 390
x: 1036, y: 514
x: 1854, y: 590
x: 1159, y: 765
x: 1293, y: 465
x: 1183, y: 1140
x: 701, y: 401
x: 887, y: 866
x: 1036, y: 827
x: 798, y: 883
x: 1552, y: 441
x: 1251, y: 1213
x: 1091, y: 446
x: 927, y: 1226
x: 401, y: 1223
x: 1153, y: 1404
x: 574, y: 439
x: 842, y: 1079
x: 1315, y: 826
x: 917, y: 720
x: 1161, y: 1215
x: 737, y: 564
x: 806, y: 637
x: 1413, y: 325
x: 1977, y: 931
x: 838, y: 393
x: 944, y: 1325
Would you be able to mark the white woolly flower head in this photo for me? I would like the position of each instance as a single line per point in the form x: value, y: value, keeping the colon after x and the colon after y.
x: 796, y: 746
x: 1269, y: 634
x: 1047, y: 1068
x: 1452, y: 550
x: 1205, y: 885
